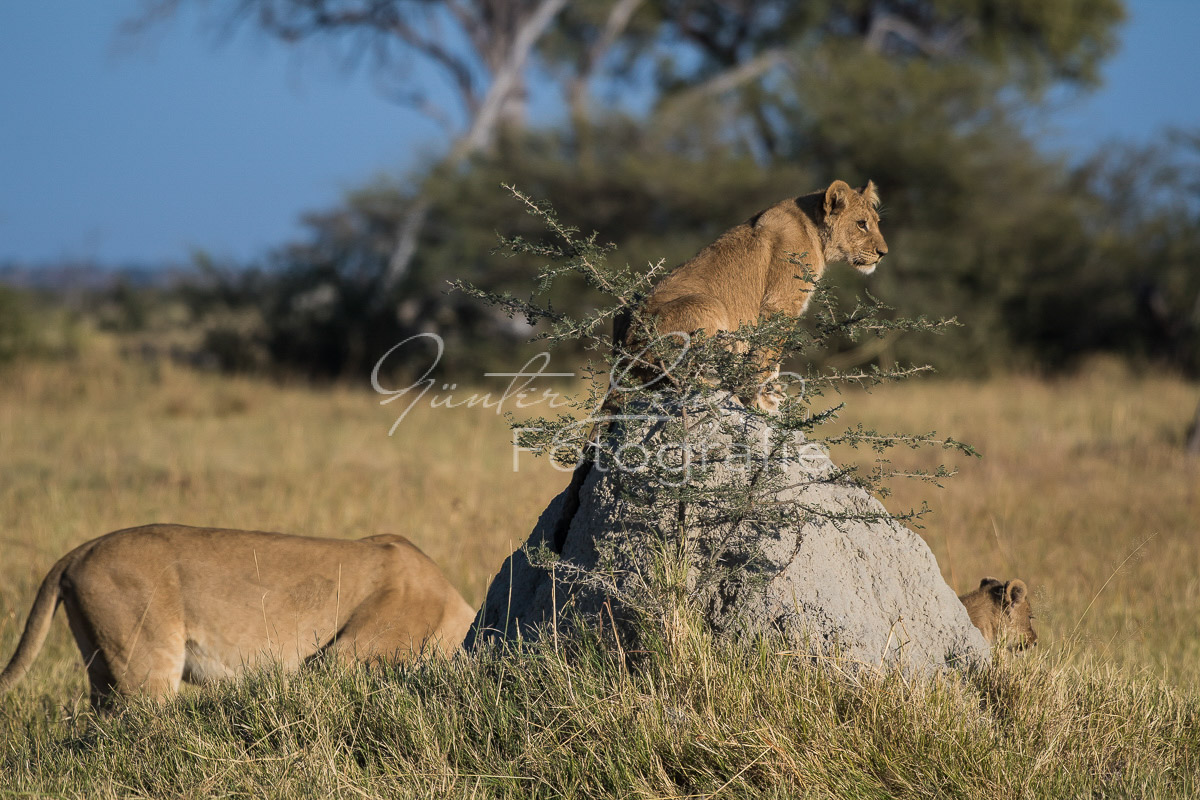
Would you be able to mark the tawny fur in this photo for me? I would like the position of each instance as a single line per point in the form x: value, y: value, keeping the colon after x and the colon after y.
x: 1002, y: 613
x: 153, y: 606
x: 749, y: 272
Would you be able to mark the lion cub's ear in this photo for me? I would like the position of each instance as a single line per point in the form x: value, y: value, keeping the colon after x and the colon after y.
x: 837, y: 196
x: 1015, y: 591
x: 870, y: 193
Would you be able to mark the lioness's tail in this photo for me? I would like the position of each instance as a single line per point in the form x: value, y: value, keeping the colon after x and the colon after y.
x: 37, y: 626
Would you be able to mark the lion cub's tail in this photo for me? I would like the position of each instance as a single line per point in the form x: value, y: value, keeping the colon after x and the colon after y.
x: 37, y: 627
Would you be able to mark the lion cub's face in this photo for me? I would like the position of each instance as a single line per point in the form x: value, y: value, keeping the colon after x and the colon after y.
x: 1002, y: 612
x: 852, y: 226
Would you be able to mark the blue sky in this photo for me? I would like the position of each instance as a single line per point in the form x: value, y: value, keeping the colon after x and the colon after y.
x: 138, y: 155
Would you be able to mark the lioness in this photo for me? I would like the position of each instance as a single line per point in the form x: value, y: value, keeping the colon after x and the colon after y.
x: 1002, y: 613
x: 748, y: 273
x: 153, y: 606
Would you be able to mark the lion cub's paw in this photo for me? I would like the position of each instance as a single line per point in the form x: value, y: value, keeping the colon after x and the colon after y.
x: 769, y: 399
x: 771, y: 394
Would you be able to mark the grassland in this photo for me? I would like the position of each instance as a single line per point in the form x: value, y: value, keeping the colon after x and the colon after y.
x: 1083, y: 491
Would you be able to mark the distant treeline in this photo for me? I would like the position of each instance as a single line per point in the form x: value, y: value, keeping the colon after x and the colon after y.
x: 1041, y: 263
x: 1043, y: 258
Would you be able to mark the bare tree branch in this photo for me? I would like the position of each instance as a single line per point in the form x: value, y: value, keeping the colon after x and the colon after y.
x: 943, y: 43
x: 481, y: 130
x: 470, y: 24
x: 614, y: 26
x: 746, y: 72
x: 618, y: 20
x: 506, y: 77
x: 458, y: 68
x: 419, y: 101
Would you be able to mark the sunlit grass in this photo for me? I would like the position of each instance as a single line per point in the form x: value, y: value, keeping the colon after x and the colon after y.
x: 1083, y: 491
x: 704, y: 721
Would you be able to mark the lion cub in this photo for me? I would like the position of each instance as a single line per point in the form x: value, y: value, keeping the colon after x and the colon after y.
x: 745, y: 275
x: 153, y: 606
x: 1002, y: 613
x: 748, y: 273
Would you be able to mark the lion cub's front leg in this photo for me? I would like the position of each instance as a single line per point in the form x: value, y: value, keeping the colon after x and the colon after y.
x: 770, y: 393
x: 767, y: 394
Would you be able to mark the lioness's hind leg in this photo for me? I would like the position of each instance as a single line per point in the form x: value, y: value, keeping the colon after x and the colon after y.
x: 101, y: 682
x: 378, y: 629
x: 128, y: 654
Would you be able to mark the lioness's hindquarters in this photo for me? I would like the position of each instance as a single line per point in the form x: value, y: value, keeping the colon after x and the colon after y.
x: 151, y: 607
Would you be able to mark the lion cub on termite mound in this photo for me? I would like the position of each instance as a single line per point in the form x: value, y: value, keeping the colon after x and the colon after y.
x: 748, y: 273
x: 1002, y: 613
x: 153, y: 606
x: 745, y: 275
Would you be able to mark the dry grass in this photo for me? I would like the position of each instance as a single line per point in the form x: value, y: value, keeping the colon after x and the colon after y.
x: 1083, y: 491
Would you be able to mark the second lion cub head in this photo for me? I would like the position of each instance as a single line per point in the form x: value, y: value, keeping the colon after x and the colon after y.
x: 1002, y: 612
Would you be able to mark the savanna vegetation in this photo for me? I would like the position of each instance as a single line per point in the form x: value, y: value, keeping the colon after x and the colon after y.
x: 1083, y: 490
x: 680, y: 119
x: 238, y: 395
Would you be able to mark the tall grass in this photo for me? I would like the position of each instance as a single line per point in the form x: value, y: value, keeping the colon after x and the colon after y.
x: 722, y: 722
x: 1083, y: 491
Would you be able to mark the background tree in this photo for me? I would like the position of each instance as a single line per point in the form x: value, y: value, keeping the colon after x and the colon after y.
x: 487, y: 72
x: 686, y: 116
